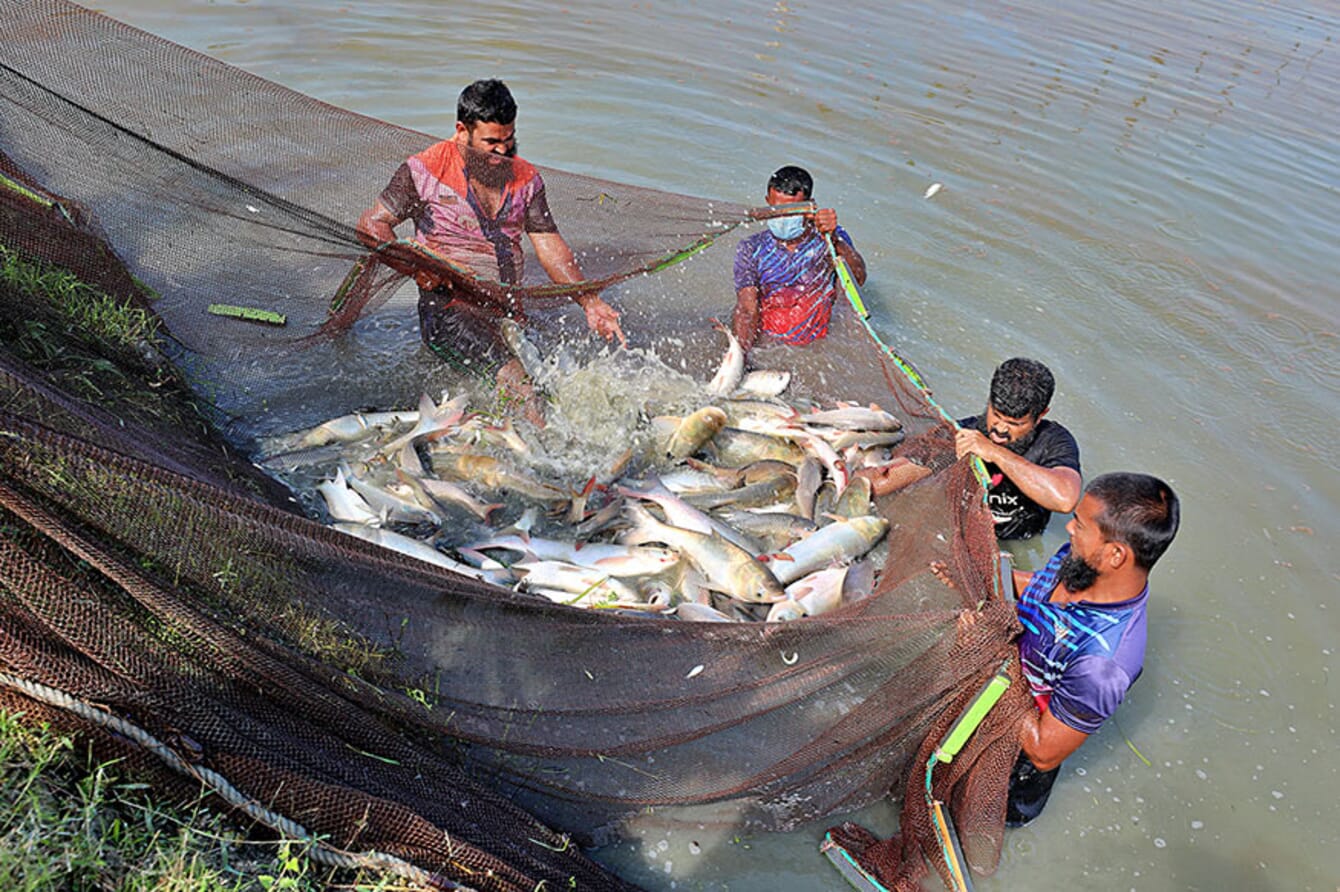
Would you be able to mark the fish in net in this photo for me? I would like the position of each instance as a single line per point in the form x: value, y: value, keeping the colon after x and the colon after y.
x: 155, y: 577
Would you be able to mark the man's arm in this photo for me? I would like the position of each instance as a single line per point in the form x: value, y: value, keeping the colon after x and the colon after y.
x: 744, y: 321
x: 376, y: 227
x: 561, y: 266
x: 1056, y: 489
x: 1021, y: 580
x: 1046, y: 740
x: 825, y: 220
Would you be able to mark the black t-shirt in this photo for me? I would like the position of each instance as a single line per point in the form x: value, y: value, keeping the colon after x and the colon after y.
x: 1016, y: 515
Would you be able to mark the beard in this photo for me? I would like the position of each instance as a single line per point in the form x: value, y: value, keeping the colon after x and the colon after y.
x: 489, y: 169
x: 1076, y: 574
x: 1019, y: 446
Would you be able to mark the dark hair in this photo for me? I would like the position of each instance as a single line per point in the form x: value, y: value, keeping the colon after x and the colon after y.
x: 1139, y: 511
x: 1022, y: 387
x: 790, y: 180
x: 489, y: 101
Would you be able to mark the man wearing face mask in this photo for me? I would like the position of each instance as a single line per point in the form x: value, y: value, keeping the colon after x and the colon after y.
x: 1083, y: 616
x: 471, y: 199
x: 785, y: 284
x: 1033, y: 463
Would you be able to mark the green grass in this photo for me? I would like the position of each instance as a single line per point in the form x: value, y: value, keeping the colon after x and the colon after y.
x: 72, y: 824
x: 80, y: 306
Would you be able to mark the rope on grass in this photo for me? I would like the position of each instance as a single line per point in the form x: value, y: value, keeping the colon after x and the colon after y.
x: 220, y: 785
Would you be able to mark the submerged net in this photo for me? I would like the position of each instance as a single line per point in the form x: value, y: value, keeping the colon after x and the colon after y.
x: 161, y: 595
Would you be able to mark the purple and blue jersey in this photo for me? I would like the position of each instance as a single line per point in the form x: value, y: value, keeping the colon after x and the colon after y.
x: 1079, y: 658
x: 796, y: 289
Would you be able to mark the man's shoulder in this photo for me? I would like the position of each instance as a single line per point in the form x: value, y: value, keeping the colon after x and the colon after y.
x: 1054, y: 446
x: 524, y: 174
x: 442, y: 160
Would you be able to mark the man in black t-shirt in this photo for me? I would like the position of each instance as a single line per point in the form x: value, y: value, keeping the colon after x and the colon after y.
x: 1033, y: 463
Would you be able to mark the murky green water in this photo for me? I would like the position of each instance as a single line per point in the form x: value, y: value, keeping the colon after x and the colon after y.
x: 1144, y: 197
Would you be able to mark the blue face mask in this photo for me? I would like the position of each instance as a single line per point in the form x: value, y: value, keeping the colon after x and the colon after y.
x: 787, y: 228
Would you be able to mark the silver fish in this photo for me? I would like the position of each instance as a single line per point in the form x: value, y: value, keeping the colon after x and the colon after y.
x: 842, y: 540
x: 344, y: 429
x: 415, y: 549
x: 445, y: 492
x: 842, y: 440
x: 592, y: 585
x: 389, y: 504
x: 344, y: 504
x: 433, y: 420
x: 728, y: 376
x: 768, y: 491
x: 514, y: 336
x: 765, y: 382
x: 607, y: 557
x: 728, y: 568
x: 819, y: 592
x: 776, y: 529
x: 785, y: 611
x: 693, y: 612
x: 737, y: 410
x: 809, y: 477
x: 680, y: 513
x: 853, y: 418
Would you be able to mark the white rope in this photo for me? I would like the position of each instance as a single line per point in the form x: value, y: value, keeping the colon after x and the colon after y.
x: 220, y: 785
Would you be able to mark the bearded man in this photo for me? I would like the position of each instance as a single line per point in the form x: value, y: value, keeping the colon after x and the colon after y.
x: 1033, y: 463
x: 471, y: 198
x: 1084, y: 624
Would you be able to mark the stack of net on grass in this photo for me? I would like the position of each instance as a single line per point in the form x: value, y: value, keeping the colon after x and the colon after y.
x: 153, y: 577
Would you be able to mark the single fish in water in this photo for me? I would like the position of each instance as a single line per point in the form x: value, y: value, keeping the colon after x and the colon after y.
x: 728, y: 376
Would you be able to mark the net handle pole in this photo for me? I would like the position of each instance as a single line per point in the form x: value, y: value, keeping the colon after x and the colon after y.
x: 950, y: 746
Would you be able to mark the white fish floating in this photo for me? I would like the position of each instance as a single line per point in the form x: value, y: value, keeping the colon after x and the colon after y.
x: 344, y: 504
x: 932, y: 189
x: 731, y: 370
x: 765, y: 382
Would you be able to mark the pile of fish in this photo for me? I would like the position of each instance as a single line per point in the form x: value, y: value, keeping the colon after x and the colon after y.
x: 747, y: 508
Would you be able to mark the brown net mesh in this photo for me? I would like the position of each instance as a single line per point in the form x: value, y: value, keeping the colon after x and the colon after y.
x: 151, y: 574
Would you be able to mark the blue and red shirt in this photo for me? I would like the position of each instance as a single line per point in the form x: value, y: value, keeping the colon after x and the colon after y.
x: 1079, y: 658
x: 796, y: 289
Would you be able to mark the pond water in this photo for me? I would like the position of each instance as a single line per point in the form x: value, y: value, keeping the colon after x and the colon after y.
x: 1144, y: 197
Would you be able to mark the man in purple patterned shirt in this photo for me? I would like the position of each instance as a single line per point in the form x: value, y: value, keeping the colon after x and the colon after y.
x: 785, y: 284
x: 1084, y: 619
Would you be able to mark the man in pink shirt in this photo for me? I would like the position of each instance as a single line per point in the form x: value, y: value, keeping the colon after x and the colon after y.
x: 471, y: 199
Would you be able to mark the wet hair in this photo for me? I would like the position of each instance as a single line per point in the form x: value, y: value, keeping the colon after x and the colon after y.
x: 487, y: 101
x: 1139, y: 511
x: 1022, y: 387
x: 791, y: 180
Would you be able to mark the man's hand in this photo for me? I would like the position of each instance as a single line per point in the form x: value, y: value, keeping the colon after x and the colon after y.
x: 825, y: 220
x: 427, y: 281
x: 602, y: 319
x: 974, y: 442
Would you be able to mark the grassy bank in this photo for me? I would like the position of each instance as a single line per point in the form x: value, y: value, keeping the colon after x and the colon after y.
x: 67, y: 821
x: 71, y: 823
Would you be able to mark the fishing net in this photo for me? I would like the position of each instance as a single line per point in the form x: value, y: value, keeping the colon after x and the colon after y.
x: 167, y: 599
